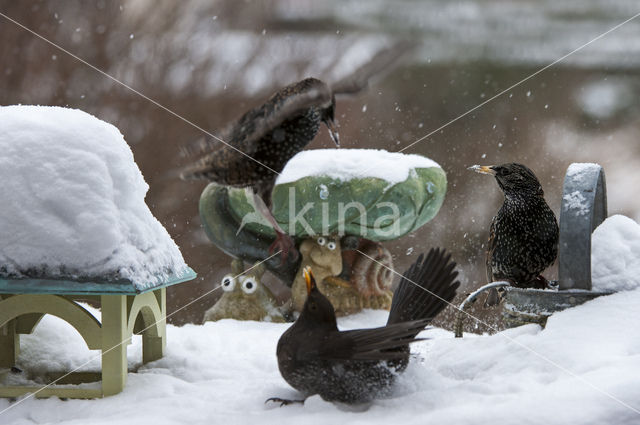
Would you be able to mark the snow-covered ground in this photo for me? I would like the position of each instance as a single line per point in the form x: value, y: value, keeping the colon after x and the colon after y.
x: 582, y: 369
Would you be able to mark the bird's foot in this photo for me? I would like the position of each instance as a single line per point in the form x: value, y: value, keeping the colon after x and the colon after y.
x: 541, y: 282
x: 284, y: 243
x: 283, y: 401
x: 496, y: 295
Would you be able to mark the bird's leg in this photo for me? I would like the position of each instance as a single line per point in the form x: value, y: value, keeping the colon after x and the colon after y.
x: 283, y: 241
x: 541, y: 282
x: 284, y: 401
x: 495, y: 296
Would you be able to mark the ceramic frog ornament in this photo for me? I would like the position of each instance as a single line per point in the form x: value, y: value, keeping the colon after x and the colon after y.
x: 245, y: 297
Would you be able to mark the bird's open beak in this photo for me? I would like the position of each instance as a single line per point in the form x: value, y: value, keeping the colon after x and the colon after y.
x: 483, y: 169
x: 333, y: 131
x: 308, y: 277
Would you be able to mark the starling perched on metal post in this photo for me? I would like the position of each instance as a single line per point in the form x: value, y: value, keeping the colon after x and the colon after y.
x: 258, y: 146
x: 523, y: 239
x: 356, y: 366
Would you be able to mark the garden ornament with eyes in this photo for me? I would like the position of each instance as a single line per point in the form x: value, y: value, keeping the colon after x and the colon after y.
x: 324, y: 255
x: 244, y: 297
x: 366, y: 283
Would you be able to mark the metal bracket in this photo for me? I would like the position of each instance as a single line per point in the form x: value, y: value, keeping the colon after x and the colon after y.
x: 584, y: 207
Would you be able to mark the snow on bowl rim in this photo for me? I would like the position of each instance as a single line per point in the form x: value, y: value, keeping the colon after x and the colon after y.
x: 347, y: 164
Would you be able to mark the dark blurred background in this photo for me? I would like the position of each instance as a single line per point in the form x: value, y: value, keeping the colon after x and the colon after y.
x: 210, y: 61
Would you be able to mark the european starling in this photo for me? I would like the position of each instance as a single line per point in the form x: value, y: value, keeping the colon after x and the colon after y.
x: 356, y: 366
x: 263, y: 140
x: 523, y: 239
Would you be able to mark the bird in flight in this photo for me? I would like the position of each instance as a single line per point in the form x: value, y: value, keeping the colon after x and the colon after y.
x: 259, y: 144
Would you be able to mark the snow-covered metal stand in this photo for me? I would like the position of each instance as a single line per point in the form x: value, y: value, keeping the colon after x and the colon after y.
x: 584, y: 207
x: 125, y: 311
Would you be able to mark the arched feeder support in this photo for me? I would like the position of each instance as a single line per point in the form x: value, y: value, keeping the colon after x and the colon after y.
x: 584, y: 207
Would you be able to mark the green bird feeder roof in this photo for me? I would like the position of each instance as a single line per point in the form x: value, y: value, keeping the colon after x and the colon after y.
x: 89, y: 286
x: 374, y: 194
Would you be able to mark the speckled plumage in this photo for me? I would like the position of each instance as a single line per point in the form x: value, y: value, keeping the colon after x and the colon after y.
x: 356, y: 366
x: 263, y: 140
x: 523, y: 239
x: 271, y: 134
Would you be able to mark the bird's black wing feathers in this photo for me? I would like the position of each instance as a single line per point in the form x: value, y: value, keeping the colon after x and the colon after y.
x: 425, y: 289
x: 282, y: 106
x: 242, y: 135
x: 377, y: 344
x: 491, y: 247
x: 383, y: 60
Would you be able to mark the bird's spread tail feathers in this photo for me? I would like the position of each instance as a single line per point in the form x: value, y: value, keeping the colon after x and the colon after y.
x: 425, y: 289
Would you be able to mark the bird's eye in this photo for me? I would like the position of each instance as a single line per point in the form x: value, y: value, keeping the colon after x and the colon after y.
x: 503, y: 172
x: 321, y: 241
x: 228, y: 283
x: 313, y: 306
x: 331, y: 245
x: 249, y: 285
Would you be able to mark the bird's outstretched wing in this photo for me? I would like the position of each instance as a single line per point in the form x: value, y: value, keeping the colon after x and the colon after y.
x: 283, y: 105
x: 243, y: 135
x: 376, y: 344
x: 382, y: 61
x: 425, y: 289
x: 201, y: 146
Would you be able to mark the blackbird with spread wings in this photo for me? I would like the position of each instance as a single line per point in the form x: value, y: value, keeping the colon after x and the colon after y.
x: 359, y: 365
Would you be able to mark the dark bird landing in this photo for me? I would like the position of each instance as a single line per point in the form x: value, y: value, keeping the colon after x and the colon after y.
x: 356, y: 366
x: 264, y: 139
x: 523, y: 238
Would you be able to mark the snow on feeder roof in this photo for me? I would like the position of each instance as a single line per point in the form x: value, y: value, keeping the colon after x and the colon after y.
x: 73, y: 204
x: 375, y: 194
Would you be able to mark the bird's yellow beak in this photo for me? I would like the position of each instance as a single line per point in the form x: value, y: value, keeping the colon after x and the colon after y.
x: 483, y: 169
x: 308, y: 277
x: 333, y: 131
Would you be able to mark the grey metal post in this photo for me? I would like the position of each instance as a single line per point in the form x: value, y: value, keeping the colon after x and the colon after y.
x: 584, y: 207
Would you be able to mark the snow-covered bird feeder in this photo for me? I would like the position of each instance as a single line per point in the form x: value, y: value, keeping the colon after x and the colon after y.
x: 584, y: 207
x: 371, y: 194
x: 75, y: 228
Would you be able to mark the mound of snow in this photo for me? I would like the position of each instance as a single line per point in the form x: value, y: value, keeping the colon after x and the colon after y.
x: 73, y: 201
x: 345, y: 164
x: 615, y: 255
